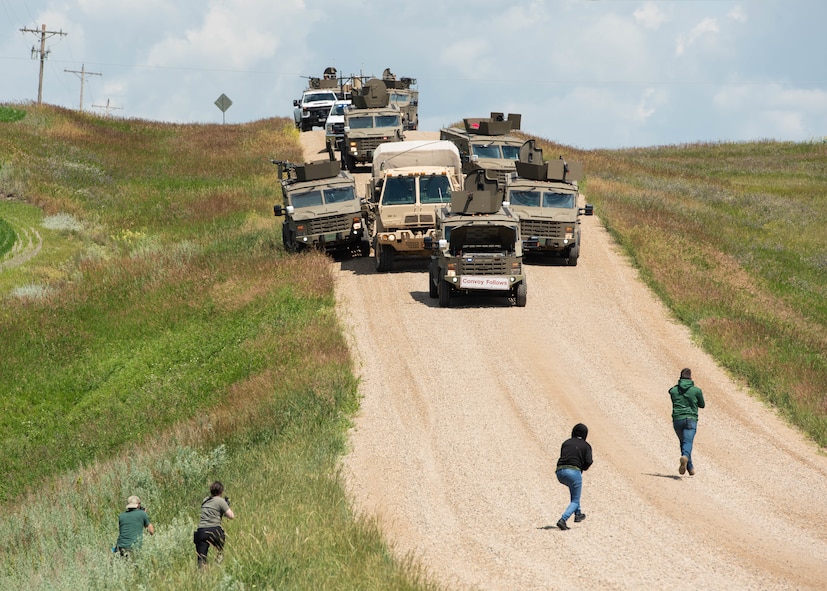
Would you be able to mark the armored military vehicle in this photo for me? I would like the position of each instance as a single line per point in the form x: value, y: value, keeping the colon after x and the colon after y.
x: 409, y: 181
x: 476, y: 247
x: 321, y: 209
x: 369, y: 121
x: 404, y: 95
x: 545, y: 197
x: 487, y: 143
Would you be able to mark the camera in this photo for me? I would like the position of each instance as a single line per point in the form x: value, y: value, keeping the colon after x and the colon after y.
x: 227, y: 499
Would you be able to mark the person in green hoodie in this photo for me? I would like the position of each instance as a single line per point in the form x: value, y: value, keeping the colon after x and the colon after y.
x: 687, y: 398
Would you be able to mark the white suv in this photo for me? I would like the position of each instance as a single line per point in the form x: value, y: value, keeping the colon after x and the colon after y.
x: 313, y: 108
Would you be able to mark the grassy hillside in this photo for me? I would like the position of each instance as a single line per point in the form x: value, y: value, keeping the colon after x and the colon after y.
x: 155, y: 337
x: 159, y: 339
x: 732, y: 236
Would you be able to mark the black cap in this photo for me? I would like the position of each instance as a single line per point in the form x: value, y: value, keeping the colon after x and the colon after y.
x: 580, y: 430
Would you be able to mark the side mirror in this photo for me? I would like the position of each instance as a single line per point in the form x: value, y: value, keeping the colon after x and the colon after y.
x: 428, y: 242
x: 295, y: 102
x: 588, y: 210
x: 277, y: 211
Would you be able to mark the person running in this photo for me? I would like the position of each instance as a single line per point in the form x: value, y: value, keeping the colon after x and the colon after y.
x: 687, y: 398
x: 131, y: 525
x: 575, y: 458
x: 210, y: 532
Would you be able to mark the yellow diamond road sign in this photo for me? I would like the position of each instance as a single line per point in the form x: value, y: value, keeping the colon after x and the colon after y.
x: 223, y: 102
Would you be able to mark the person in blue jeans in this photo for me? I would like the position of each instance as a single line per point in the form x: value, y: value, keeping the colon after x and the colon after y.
x: 687, y: 398
x: 575, y: 458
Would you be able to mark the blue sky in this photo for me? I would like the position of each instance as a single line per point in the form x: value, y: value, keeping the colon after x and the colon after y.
x: 586, y: 73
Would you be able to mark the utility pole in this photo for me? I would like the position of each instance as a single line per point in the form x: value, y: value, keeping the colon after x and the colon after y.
x: 42, y: 52
x: 106, y: 107
x: 82, y: 75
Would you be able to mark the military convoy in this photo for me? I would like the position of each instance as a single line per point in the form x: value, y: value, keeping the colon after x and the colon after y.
x: 473, y: 203
x: 487, y: 143
x: 545, y: 197
x: 409, y: 181
x: 476, y: 245
x: 321, y: 209
x: 369, y: 121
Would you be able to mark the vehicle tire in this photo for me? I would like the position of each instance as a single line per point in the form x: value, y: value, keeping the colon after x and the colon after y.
x: 384, y: 257
x: 306, y: 127
x: 574, y: 254
x: 433, y: 273
x: 287, y: 239
x: 349, y: 161
x: 444, y: 291
x: 364, y: 248
x: 521, y: 295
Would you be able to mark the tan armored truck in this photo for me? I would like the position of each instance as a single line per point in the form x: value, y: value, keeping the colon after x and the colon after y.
x: 487, y: 143
x: 404, y: 95
x: 545, y: 197
x: 369, y: 122
x: 321, y: 209
x: 409, y: 181
x: 476, y: 247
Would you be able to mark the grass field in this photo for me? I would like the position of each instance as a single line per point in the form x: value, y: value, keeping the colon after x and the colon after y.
x: 165, y: 341
x: 162, y: 339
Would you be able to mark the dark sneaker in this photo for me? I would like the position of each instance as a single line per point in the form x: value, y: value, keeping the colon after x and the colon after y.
x: 691, y: 471
x: 682, y: 467
x: 578, y: 517
x: 562, y: 524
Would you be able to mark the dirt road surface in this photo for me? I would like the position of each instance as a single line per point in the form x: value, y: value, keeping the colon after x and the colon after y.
x: 464, y: 410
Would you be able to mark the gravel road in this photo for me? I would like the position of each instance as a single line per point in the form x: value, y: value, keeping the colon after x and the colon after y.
x: 464, y: 410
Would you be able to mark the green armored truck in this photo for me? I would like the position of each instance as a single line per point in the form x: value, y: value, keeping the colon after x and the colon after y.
x: 476, y: 247
x: 409, y: 181
x: 487, y: 143
x: 321, y: 209
x: 370, y: 121
x: 545, y: 197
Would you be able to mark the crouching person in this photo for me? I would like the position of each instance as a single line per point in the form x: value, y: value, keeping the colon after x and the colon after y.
x: 210, y: 533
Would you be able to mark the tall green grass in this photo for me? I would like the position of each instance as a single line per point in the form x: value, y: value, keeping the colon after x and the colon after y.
x: 176, y: 345
x: 732, y: 236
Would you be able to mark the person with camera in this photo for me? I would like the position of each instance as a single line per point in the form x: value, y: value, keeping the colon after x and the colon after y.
x: 209, y: 532
x: 131, y: 525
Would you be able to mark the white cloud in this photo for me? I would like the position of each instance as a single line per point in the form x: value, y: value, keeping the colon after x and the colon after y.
x: 707, y: 27
x: 650, y: 16
x: 738, y: 14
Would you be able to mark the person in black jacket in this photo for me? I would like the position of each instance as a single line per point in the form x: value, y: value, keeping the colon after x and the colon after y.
x: 575, y: 458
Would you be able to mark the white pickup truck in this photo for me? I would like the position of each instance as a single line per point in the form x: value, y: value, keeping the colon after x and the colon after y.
x: 312, y: 109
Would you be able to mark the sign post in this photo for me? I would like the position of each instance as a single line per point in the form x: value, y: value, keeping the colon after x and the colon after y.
x: 223, y: 102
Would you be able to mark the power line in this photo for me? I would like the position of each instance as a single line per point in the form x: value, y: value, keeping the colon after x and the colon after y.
x: 82, y: 74
x: 106, y: 107
x: 42, y: 52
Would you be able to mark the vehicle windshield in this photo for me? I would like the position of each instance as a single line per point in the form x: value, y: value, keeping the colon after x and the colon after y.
x: 434, y: 189
x: 486, y: 150
x: 339, y: 194
x: 337, y: 110
x: 387, y: 121
x: 360, y: 122
x: 319, y: 96
x: 399, y: 190
x: 399, y: 99
x: 565, y: 200
x: 511, y: 152
x: 306, y: 199
x: 524, y: 198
